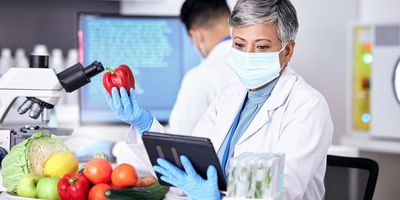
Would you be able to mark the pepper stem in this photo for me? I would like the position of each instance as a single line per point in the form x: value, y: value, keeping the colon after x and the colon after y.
x: 72, y: 180
x: 110, y: 70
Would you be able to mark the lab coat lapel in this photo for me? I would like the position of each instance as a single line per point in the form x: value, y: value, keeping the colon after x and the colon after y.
x: 261, y: 118
x: 278, y: 97
x: 228, y: 113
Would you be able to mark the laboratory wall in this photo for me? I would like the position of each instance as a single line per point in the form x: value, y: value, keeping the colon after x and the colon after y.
x: 382, y: 11
x: 320, y: 54
x: 166, y: 7
x: 24, y: 23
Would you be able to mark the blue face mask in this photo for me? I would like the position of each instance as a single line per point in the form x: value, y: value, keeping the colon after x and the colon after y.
x: 254, y: 69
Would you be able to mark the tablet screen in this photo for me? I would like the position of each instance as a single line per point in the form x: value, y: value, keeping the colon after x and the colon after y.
x: 200, y: 152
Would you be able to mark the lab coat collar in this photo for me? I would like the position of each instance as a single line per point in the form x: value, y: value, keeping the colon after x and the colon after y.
x: 278, y: 97
x: 282, y: 89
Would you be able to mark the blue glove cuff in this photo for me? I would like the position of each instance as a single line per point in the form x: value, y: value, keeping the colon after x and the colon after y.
x: 146, y: 122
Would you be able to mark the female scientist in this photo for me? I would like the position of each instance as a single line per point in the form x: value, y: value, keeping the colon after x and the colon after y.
x: 272, y: 110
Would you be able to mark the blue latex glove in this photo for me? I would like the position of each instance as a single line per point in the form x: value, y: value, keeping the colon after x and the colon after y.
x: 191, y: 183
x: 127, y: 109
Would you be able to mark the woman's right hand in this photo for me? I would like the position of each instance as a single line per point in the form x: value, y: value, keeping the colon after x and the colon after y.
x: 188, y: 180
x: 127, y: 109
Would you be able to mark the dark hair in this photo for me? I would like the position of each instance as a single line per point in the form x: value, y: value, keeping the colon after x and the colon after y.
x: 203, y: 12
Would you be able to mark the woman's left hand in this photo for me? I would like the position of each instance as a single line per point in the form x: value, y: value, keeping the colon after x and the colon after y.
x: 191, y: 183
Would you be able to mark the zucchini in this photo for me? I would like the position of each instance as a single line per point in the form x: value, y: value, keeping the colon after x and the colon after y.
x: 153, y: 192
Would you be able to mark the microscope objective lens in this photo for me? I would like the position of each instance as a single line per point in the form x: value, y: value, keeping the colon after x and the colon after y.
x: 36, y: 109
x: 46, y: 116
x: 25, y: 106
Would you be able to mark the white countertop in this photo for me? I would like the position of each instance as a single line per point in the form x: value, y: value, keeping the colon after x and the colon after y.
x: 365, y: 142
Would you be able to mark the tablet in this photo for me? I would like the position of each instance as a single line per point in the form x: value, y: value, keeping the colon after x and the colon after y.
x: 200, y: 152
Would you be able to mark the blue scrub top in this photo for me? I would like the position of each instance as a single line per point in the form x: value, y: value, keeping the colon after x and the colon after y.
x: 252, y: 104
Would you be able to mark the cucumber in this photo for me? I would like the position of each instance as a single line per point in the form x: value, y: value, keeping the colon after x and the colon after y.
x: 154, y: 192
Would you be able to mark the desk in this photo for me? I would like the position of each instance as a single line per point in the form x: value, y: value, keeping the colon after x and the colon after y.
x: 346, y: 151
x: 333, y: 150
x: 365, y: 142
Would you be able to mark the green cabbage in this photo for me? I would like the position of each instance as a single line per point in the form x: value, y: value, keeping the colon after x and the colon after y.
x: 29, y: 156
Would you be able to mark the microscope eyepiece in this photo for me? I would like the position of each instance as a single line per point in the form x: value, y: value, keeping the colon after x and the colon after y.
x: 77, y: 76
x: 93, y: 69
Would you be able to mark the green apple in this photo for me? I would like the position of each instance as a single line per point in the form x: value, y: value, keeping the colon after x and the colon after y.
x: 27, y: 186
x: 47, y: 189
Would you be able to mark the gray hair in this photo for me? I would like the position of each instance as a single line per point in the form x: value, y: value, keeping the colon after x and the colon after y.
x: 280, y: 12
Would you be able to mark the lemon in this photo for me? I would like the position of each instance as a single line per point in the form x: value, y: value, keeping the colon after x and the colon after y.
x: 60, y: 164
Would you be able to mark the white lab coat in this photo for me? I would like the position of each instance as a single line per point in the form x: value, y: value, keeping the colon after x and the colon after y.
x: 200, y: 87
x: 295, y: 120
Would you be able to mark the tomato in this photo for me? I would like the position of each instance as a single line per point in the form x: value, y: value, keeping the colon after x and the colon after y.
x: 124, y: 175
x: 98, y: 191
x: 98, y: 170
x: 122, y: 76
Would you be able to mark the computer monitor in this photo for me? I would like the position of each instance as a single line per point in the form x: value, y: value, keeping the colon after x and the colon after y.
x: 156, y: 48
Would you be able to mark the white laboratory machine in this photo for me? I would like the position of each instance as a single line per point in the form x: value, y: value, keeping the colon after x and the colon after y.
x: 42, y: 87
x: 375, y: 80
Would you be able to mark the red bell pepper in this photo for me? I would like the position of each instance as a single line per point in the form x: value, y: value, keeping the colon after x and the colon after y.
x: 73, y: 186
x: 120, y: 77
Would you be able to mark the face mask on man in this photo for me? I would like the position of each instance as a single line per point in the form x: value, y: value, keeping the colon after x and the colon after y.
x: 255, y: 69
